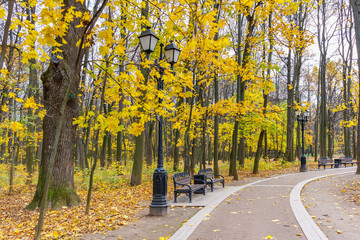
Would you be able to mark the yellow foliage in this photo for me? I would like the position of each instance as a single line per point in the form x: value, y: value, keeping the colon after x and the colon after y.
x: 4, y: 108
x: 16, y: 127
x: 2, y: 13
x: 30, y: 103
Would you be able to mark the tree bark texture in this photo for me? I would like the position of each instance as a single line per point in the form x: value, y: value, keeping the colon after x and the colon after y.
x: 355, y: 4
x: 136, y: 173
x: 322, y: 78
x: 289, y: 153
x: 56, y: 80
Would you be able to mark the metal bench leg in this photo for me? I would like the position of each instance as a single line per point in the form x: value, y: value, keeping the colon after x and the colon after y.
x: 190, y: 197
x: 175, y: 197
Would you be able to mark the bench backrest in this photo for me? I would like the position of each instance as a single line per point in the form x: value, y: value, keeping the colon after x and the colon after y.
x: 182, y: 178
x: 208, y: 172
x: 325, y: 160
x: 346, y: 159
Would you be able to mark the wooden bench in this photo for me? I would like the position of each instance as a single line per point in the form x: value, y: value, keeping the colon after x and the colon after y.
x: 182, y: 184
x: 211, y: 178
x: 347, y: 160
x: 325, y: 161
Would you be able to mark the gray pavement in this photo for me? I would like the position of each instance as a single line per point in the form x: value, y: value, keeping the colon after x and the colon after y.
x: 268, y: 208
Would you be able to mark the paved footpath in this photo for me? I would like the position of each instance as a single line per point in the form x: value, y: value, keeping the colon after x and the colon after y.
x: 265, y: 209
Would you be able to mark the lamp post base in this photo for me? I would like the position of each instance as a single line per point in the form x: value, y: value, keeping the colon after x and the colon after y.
x: 303, y: 167
x: 159, y: 210
x: 159, y: 205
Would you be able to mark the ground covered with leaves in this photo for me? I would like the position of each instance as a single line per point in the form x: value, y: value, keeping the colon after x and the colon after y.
x: 351, y: 190
x: 114, y: 202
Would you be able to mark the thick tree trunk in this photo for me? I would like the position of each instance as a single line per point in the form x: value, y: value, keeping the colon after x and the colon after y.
x: 136, y: 173
x: 289, y: 153
x: 62, y: 190
x: 56, y: 80
x: 355, y: 4
x: 322, y: 78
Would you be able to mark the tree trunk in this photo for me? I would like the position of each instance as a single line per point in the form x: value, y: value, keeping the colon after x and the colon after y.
x: 149, y: 128
x: 289, y: 153
x: 216, y: 128
x: 62, y: 107
x: 136, y: 173
x: 103, y: 150
x: 322, y: 77
x: 6, y: 32
x: 241, y: 85
x: 355, y: 4
x: 265, y: 96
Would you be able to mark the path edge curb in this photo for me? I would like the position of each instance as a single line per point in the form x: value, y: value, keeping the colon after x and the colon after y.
x: 307, y: 224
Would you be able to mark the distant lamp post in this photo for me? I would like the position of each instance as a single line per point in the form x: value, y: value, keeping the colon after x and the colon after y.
x: 302, y: 118
x: 159, y: 205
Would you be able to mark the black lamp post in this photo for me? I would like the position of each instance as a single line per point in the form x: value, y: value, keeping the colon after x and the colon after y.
x: 159, y: 205
x: 302, y: 119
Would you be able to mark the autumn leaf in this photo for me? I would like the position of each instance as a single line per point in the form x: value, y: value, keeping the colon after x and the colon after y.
x: 4, y: 108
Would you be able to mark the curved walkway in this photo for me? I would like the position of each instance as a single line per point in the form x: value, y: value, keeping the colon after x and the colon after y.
x: 265, y: 209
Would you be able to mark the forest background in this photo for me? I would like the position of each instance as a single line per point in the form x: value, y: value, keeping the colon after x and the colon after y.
x: 77, y: 90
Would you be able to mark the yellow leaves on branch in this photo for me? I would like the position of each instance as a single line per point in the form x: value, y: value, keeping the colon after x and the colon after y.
x: 2, y: 13
x: 136, y: 129
x: 30, y: 103
x: 12, y: 125
x: 16, y: 127
x: 4, y: 108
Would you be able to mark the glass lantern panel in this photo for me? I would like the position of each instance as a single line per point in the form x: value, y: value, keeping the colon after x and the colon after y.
x: 176, y: 55
x: 145, y: 44
x: 169, y: 55
x: 153, y: 43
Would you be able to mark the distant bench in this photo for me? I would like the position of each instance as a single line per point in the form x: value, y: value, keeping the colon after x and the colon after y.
x: 182, y: 184
x: 347, y: 160
x: 325, y: 161
x: 212, y: 178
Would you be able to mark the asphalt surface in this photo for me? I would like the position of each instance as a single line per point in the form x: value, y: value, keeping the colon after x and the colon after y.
x: 269, y: 208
